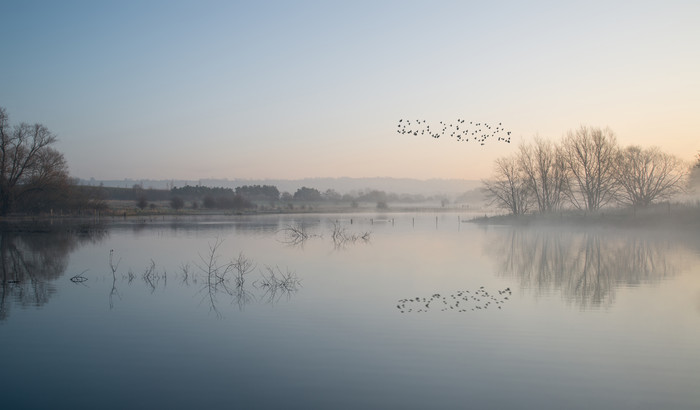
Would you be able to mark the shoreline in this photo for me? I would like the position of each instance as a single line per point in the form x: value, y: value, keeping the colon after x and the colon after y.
x: 663, y: 216
x: 676, y: 216
x: 102, y: 220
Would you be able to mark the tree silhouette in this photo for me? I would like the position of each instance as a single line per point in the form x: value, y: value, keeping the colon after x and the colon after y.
x: 545, y: 173
x: 27, y: 162
x: 589, y: 153
x: 647, y: 175
x: 508, y: 189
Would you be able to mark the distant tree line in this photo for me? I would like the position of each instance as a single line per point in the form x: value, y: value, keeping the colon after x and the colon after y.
x: 211, y: 198
x: 246, y: 196
x: 259, y: 192
x: 586, y: 170
x: 137, y: 192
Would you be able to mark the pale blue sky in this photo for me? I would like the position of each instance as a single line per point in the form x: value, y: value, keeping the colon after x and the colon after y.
x: 184, y: 89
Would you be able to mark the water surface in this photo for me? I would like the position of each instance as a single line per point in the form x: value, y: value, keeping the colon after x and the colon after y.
x: 547, y: 317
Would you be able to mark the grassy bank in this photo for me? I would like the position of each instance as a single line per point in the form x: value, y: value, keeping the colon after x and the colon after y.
x: 681, y: 216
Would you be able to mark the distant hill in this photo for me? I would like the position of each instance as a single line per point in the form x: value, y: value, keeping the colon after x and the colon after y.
x: 345, y: 185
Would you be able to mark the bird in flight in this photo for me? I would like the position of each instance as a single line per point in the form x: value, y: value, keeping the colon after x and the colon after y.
x: 478, y: 132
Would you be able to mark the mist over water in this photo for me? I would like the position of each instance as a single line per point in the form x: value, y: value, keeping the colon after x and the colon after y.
x: 594, y: 317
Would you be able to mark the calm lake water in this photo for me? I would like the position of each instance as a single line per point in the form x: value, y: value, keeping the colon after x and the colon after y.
x: 425, y: 312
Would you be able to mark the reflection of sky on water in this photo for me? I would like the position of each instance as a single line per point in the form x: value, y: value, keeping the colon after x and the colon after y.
x: 339, y: 340
x: 584, y: 267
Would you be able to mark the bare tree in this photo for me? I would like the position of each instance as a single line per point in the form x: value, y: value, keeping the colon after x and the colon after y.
x: 47, y: 184
x: 647, y: 175
x: 509, y: 189
x: 142, y: 202
x: 542, y: 164
x: 589, y: 154
x: 25, y: 156
x: 694, y: 177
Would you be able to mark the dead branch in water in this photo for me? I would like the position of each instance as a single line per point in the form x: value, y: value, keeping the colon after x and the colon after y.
x: 242, y: 266
x: 113, y: 266
x: 186, y: 273
x: 342, y: 237
x: 279, y: 282
x: 215, y: 274
x: 79, y: 278
x: 295, y: 235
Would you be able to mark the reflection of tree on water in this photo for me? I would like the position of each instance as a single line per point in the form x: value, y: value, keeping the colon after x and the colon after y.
x: 585, y: 267
x: 30, y: 261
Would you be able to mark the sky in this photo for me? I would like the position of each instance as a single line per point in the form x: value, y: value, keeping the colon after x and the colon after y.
x: 295, y: 89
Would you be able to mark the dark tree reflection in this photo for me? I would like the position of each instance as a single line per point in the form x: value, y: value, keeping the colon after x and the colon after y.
x: 587, y: 266
x: 29, y: 262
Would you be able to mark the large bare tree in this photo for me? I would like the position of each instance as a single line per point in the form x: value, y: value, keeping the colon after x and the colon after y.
x: 509, y: 188
x: 647, y: 175
x: 542, y: 164
x: 589, y: 154
x: 694, y: 177
x: 27, y: 162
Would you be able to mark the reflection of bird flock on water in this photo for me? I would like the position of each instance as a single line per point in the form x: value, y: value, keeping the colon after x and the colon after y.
x: 462, y: 301
x: 460, y: 129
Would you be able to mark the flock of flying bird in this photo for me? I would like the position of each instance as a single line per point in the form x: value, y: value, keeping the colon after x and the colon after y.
x: 460, y: 129
x: 462, y: 301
